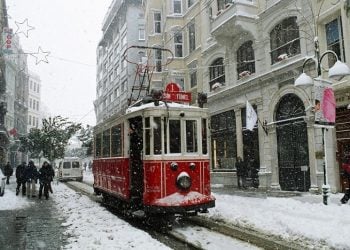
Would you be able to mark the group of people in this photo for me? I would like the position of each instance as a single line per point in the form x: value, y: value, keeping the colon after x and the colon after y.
x: 27, y: 176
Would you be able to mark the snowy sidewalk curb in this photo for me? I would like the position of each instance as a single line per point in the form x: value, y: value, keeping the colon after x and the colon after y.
x: 254, y: 237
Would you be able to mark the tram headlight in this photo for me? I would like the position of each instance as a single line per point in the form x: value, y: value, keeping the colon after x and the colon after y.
x: 183, y: 181
x: 174, y: 166
x: 192, y: 165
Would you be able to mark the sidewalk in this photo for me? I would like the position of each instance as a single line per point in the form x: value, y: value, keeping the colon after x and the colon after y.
x: 290, y: 216
x: 29, y: 223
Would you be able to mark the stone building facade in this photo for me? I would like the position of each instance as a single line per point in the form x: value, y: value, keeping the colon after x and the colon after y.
x: 253, y: 50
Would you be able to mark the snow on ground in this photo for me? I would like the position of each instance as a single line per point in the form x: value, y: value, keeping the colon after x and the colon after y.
x: 291, y: 218
x: 297, y: 217
x: 91, y: 226
x: 11, y: 202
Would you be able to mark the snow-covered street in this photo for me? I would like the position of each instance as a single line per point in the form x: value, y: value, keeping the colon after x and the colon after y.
x: 292, y: 218
x: 88, y: 225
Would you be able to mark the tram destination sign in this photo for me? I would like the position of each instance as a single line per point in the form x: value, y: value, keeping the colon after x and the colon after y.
x: 174, y: 93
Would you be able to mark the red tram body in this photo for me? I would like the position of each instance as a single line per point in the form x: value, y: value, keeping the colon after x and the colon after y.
x: 155, y: 158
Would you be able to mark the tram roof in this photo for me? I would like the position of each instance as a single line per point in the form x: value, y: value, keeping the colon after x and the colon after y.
x: 161, y: 105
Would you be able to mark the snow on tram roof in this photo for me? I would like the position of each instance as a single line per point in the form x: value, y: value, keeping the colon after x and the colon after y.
x: 161, y: 104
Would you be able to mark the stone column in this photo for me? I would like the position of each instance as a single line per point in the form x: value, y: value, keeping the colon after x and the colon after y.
x: 312, y: 156
x: 275, y: 185
x: 239, y: 135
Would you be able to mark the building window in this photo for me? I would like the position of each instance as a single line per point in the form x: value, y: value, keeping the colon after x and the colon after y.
x: 177, y: 6
x: 222, y: 4
x: 245, y: 60
x: 141, y: 33
x: 30, y: 120
x: 158, y: 60
x: 217, y: 73
x: 123, y: 85
x: 192, y: 36
x: 178, y: 44
x: 30, y: 103
x: 117, y: 92
x: 38, y: 88
x: 37, y: 105
x: 157, y: 16
x: 285, y: 39
x: 190, y: 3
x: 335, y: 40
x: 193, y: 74
x: 180, y: 81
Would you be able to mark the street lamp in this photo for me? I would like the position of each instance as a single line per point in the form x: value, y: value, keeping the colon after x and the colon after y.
x: 336, y: 72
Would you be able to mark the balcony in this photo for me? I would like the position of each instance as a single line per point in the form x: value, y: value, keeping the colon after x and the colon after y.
x: 237, y: 17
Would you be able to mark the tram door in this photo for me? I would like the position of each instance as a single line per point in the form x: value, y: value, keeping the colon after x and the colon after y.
x: 136, y: 164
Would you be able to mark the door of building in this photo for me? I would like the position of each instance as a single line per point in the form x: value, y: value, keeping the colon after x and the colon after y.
x: 292, y: 144
x: 343, y: 141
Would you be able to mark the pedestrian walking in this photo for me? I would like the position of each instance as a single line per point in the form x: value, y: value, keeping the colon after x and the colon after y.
x: 20, y: 178
x: 31, y: 176
x: 46, y: 174
x: 8, y: 171
x: 241, y: 173
x: 346, y: 167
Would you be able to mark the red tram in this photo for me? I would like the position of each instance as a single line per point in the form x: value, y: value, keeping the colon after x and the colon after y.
x: 155, y: 158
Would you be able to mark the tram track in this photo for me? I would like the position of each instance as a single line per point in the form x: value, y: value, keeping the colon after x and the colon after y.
x: 187, y: 233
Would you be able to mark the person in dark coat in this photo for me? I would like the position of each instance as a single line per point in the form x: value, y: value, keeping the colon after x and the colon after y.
x: 31, y: 177
x: 8, y: 171
x: 20, y: 178
x: 241, y: 173
x: 346, y: 168
x: 46, y: 174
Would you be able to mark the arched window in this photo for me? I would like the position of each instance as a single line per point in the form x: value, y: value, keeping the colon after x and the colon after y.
x: 217, y: 72
x: 285, y: 40
x: 245, y: 59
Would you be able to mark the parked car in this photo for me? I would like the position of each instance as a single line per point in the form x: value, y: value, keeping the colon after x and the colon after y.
x: 70, y: 168
x: 2, y: 183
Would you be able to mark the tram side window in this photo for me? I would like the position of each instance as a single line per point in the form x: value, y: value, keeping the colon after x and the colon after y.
x: 204, y: 136
x: 175, y: 136
x: 106, y: 142
x: 157, y: 135
x: 165, y: 120
x: 191, y: 136
x: 116, y: 140
x: 98, y: 142
x: 147, y: 136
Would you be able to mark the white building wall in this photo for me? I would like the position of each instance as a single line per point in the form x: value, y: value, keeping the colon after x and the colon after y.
x: 34, y: 102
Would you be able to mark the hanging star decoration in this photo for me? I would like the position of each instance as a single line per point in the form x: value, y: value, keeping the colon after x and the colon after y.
x: 23, y: 27
x: 40, y: 56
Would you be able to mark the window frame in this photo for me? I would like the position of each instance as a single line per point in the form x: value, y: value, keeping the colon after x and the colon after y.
x: 178, y: 43
x: 288, y: 35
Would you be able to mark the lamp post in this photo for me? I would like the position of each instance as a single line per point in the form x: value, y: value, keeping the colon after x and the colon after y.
x: 336, y: 72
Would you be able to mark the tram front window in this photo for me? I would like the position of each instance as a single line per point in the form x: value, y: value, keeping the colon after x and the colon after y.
x: 157, y: 135
x: 191, y: 136
x: 175, y: 136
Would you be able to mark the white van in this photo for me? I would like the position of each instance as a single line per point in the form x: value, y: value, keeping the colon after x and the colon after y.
x: 70, y: 168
